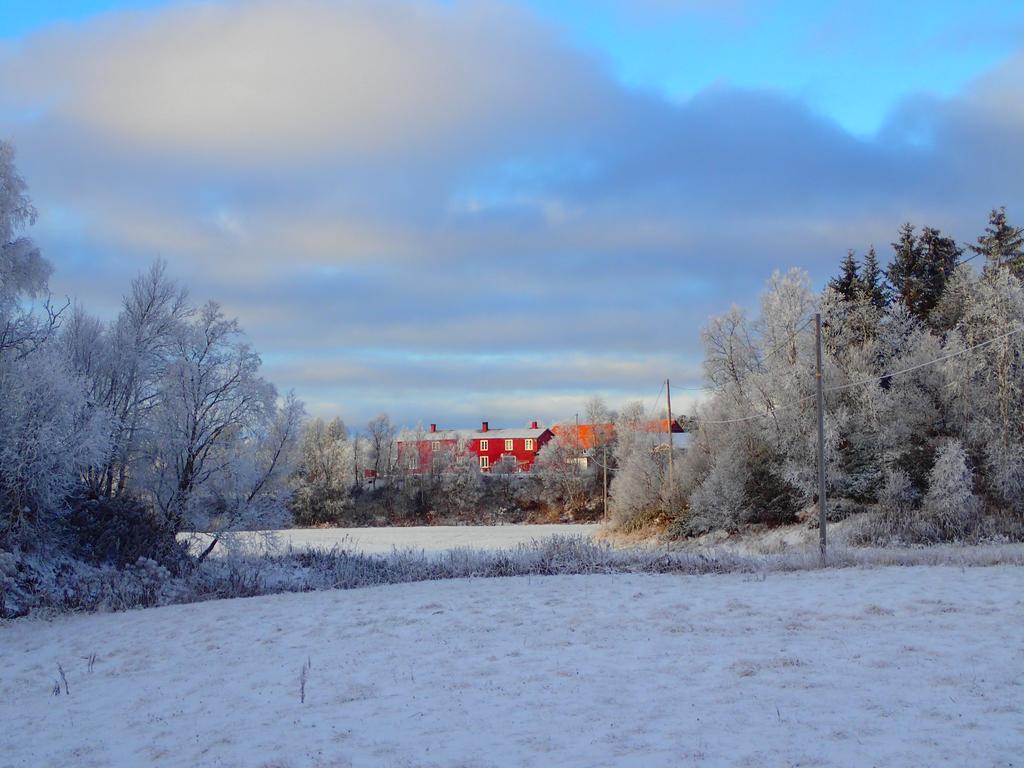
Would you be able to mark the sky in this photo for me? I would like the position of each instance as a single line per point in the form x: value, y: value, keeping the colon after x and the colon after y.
x: 459, y: 211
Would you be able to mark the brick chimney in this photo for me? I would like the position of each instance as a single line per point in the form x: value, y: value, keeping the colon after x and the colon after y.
x: 433, y: 427
x: 533, y: 425
x: 483, y: 427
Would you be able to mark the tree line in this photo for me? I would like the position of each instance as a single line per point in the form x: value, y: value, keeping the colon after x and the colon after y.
x: 924, y: 397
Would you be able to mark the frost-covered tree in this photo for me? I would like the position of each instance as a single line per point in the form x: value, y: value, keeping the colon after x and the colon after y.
x: 49, y: 435
x: 212, y: 399
x: 983, y: 396
x: 562, y: 473
x: 125, y: 363
x: 325, y: 476
x: 462, y: 485
x: 250, y: 490
x: 49, y: 430
x: 381, y: 434
x: 24, y: 273
x: 1002, y: 245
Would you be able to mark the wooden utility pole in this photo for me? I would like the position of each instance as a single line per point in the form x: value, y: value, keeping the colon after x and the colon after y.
x: 821, y: 440
x: 604, y: 466
x: 579, y: 443
x: 671, y: 441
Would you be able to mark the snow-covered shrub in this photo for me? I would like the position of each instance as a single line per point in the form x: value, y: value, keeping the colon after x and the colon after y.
x: 897, y: 519
x: 950, y: 503
x: 718, y: 502
x: 636, y: 492
x: 34, y: 583
x: 15, y: 592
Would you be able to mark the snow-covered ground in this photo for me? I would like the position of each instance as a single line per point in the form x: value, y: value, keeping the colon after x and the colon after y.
x: 434, y: 538
x: 883, y: 666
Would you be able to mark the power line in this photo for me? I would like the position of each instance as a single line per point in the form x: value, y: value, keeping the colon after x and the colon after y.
x: 657, y: 398
x: 782, y: 345
x: 857, y: 383
x: 964, y: 261
x: 924, y: 365
x: 778, y: 348
x: 774, y: 410
x: 695, y: 388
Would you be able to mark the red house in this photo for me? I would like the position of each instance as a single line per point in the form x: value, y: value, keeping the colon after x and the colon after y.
x: 436, y: 450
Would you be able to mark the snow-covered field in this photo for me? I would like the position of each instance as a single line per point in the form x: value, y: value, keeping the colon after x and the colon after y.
x: 883, y: 666
x: 434, y: 538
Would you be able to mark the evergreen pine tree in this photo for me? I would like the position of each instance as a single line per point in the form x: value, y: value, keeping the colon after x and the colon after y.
x: 848, y: 283
x: 1002, y: 244
x: 939, y: 255
x: 904, y: 272
x: 920, y: 268
x: 871, y: 279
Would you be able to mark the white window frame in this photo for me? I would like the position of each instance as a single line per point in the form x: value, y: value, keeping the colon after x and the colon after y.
x: 436, y: 445
x: 485, y: 462
x: 509, y: 445
x: 483, y: 445
x: 529, y: 443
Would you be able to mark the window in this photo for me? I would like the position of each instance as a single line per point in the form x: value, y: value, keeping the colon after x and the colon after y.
x: 414, y: 462
x: 508, y: 445
x: 483, y: 446
x: 437, y: 445
x: 484, y: 462
x: 529, y: 445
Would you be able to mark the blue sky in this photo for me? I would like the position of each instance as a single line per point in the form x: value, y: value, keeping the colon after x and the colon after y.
x: 852, y: 61
x: 22, y: 17
x: 465, y: 210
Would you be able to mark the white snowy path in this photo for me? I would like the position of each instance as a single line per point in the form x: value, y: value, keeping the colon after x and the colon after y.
x: 433, y: 538
x: 857, y: 667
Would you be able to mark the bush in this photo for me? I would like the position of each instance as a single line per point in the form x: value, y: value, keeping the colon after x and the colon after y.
x: 948, y: 512
x: 33, y: 583
x: 313, y: 505
x: 770, y: 499
x: 119, y: 532
x: 950, y: 504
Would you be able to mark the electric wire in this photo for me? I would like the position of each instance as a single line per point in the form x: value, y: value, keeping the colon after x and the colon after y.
x: 850, y: 385
x: 779, y: 347
x: 902, y: 371
x: 657, y: 399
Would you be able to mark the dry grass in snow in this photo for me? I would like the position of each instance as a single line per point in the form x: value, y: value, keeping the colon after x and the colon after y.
x: 856, y: 666
x: 380, y: 540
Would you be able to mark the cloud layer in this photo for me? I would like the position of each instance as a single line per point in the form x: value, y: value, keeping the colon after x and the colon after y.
x: 446, y: 211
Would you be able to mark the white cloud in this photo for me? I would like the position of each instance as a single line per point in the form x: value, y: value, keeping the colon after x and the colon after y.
x: 261, y: 80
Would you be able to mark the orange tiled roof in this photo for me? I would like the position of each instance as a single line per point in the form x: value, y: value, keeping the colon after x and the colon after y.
x: 589, y: 434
